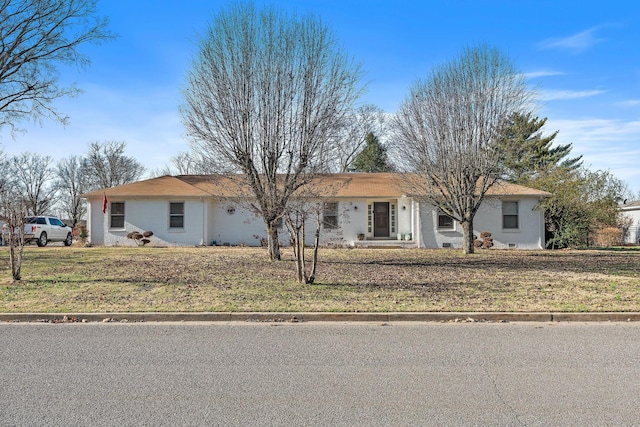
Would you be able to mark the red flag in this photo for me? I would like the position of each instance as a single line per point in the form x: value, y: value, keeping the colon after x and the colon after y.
x: 104, y: 204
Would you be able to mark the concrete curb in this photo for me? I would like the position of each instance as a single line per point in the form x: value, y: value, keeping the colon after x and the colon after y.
x: 320, y: 317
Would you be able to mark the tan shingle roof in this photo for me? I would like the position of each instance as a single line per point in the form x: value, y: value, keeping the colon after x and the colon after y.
x: 347, y: 185
x: 503, y: 188
x: 164, y: 186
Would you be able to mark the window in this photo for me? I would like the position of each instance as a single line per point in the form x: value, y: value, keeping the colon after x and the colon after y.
x: 117, y: 214
x: 445, y: 221
x: 56, y: 221
x: 509, y: 215
x: 176, y: 215
x: 330, y: 215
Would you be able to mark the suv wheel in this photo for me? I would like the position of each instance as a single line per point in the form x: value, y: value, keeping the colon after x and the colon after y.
x: 42, y: 240
x: 69, y: 240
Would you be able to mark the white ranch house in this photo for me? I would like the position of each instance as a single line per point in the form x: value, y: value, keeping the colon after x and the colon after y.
x: 368, y: 209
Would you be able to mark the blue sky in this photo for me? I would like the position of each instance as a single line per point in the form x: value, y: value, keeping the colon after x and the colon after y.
x: 582, y: 57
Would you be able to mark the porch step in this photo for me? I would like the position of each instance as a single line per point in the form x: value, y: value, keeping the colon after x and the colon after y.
x: 384, y: 243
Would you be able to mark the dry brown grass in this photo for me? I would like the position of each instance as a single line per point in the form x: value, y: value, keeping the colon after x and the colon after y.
x: 58, y: 279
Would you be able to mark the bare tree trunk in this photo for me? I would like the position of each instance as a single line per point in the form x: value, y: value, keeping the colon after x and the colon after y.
x: 273, y: 242
x: 15, y: 258
x: 16, y: 246
x: 467, y: 237
x: 296, y: 256
x: 303, y: 265
x: 316, y: 246
x: 13, y: 208
x: 295, y: 229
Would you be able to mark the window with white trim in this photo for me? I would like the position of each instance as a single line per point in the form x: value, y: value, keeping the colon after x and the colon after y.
x: 176, y: 215
x: 510, y: 220
x: 116, y: 215
x: 445, y: 222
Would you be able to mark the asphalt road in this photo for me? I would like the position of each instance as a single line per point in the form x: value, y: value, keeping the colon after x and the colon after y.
x: 331, y: 374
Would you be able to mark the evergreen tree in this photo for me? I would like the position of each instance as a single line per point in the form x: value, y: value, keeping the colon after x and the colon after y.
x: 528, y: 154
x: 581, y: 202
x: 372, y: 157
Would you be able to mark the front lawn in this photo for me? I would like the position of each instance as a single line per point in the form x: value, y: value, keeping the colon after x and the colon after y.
x: 132, y: 279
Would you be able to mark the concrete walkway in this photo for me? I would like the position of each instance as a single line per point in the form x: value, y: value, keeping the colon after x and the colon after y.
x: 320, y: 317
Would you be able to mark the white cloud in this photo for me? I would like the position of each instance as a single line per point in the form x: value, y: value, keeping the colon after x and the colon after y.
x: 549, y: 95
x: 630, y: 103
x: 604, y: 144
x: 578, y: 42
x: 542, y: 73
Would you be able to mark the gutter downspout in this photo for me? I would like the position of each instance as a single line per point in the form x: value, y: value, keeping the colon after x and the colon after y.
x: 418, y: 226
x: 543, y: 228
x: 204, y: 231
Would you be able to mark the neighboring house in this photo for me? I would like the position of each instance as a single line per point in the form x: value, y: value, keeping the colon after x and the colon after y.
x: 632, y: 210
x: 205, y: 210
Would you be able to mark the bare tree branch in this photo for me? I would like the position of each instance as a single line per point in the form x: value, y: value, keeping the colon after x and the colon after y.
x: 35, y: 37
x: 32, y: 176
x: 72, y: 182
x: 352, y: 136
x: 106, y: 165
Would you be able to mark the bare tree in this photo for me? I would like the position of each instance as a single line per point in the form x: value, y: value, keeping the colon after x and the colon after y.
x: 106, y: 165
x: 352, y: 137
x: 309, y: 206
x: 32, y: 178
x: 186, y: 163
x: 265, y: 97
x: 72, y: 182
x: 13, y: 211
x: 296, y: 219
x: 35, y: 37
x: 447, y: 131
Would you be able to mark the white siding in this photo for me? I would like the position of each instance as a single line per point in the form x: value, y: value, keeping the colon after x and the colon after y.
x: 95, y: 222
x: 529, y: 234
x: 233, y: 224
x: 633, y: 237
x: 352, y: 220
x: 530, y: 231
x: 150, y: 215
x: 207, y: 221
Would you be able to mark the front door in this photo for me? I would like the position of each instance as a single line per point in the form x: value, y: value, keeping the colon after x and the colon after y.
x: 381, y: 219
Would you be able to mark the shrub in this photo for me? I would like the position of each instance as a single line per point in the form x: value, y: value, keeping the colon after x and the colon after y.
x: 608, y: 236
x: 80, y: 233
